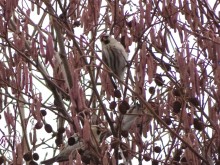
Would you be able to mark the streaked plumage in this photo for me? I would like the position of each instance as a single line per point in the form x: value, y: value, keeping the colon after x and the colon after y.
x: 114, y: 55
x: 98, y: 134
x: 130, y: 117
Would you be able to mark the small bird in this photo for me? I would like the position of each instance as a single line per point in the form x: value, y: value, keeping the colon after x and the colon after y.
x: 130, y: 117
x: 114, y: 55
x: 99, y: 133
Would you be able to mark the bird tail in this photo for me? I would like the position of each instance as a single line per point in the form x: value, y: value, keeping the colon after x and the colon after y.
x: 49, y: 161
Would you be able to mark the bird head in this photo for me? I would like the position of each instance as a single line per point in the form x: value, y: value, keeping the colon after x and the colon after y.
x: 100, y: 133
x: 105, y: 38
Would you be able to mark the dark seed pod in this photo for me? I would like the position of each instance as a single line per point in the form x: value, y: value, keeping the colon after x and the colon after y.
x: 176, y: 106
x: 158, y: 80
x: 194, y: 101
x: 77, y: 23
x: 124, y: 134
x: 129, y: 24
x: 43, y: 112
x: 157, y: 149
x: 39, y: 125
x: 198, y: 125
x: 155, y: 162
x: 176, y: 92
x: 146, y: 157
x: 35, y: 156
x: 27, y: 156
x: 59, y: 139
x: 112, y: 105
x: 123, y: 107
x: 152, y: 90
x: 61, y: 130
x: 167, y: 120
x: 117, y: 93
x: 48, y: 128
x: 166, y: 66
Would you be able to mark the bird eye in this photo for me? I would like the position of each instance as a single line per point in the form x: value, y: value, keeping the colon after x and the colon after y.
x: 98, y: 131
x: 105, y: 39
x: 71, y: 141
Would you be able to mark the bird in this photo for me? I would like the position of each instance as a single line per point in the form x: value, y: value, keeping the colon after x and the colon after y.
x: 114, y: 55
x: 98, y: 134
x: 132, y: 115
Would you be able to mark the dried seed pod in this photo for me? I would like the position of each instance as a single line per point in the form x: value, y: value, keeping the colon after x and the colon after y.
x: 146, y: 157
x: 157, y: 149
x: 155, y: 162
x: 124, y: 134
x: 166, y: 66
x: 152, y: 90
x: 198, y: 124
x: 158, y: 80
x: 112, y: 105
x: 176, y: 92
x: 77, y: 23
x: 61, y: 130
x: 194, y: 101
x: 59, y: 139
x: 27, y: 156
x: 48, y: 128
x: 167, y: 120
x: 43, y: 112
x: 39, y: 125
x: 176, y: 106
x: 117, y: 93
x: 35, y: 156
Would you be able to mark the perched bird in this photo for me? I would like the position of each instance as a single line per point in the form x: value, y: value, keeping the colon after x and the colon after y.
x: 98, y: 134
x: 131, y: 116
x: 114, y: 55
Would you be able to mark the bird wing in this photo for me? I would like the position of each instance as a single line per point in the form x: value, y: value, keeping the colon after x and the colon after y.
x: 115, y: 58
x: 130, y: 117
